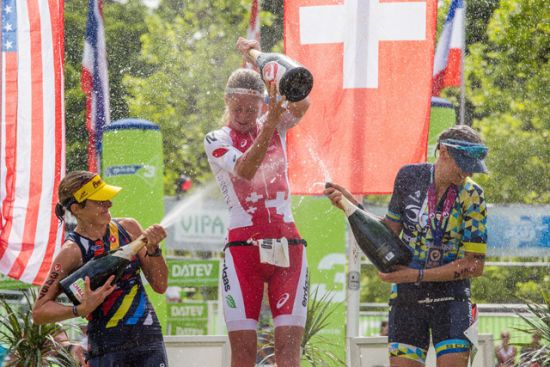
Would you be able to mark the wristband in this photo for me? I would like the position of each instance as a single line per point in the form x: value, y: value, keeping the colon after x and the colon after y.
x: 157, y: 253
x: 75, y: 311
x: 420, y: 276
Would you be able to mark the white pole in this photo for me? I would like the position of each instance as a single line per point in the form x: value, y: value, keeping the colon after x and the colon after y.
x: 353, y: 277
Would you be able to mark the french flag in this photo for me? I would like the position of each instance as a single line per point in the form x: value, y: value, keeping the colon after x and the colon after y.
x: 253, y: 31
x: 95, y: 82
x: 449, y: 50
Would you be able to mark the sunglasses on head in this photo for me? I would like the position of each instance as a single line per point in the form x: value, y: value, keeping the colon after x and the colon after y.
x: 472, y: 150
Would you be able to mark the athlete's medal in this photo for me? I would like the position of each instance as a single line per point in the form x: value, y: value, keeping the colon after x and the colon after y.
x: 438, y: 224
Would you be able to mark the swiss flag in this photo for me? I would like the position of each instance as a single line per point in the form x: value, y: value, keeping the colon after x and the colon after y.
x: 372, y: 63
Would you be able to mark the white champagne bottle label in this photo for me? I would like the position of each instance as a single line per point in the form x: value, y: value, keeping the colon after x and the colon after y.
x: 78, y: 288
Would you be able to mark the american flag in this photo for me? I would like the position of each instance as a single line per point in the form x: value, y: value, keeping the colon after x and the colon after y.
x: 253, y: 32
x: 95, y: 83
x: 449, y: 51
x: 32, y: 145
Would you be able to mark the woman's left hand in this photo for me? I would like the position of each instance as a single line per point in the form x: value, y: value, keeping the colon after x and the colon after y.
x: 277, y: 105
x: 154, y: 234
x: 402, y: 274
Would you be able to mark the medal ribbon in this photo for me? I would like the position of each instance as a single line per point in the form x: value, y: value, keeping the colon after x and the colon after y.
x: 438, y: 227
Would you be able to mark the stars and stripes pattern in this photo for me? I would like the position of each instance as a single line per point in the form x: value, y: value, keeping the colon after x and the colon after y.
x: 32, y: 145
x: 95, y: 83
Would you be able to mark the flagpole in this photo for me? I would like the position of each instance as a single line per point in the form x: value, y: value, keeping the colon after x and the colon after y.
x: 353, y: 292
x: 462, y: 81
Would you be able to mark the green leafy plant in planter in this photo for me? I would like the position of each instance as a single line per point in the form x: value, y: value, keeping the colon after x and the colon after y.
x: 28, y: 344
x: 316, y: 349
x: 538, y: 319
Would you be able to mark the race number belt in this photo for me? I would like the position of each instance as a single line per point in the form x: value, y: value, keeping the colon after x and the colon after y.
x: 291, y: 241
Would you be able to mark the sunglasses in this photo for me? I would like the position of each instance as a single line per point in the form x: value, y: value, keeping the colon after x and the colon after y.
x: 472, y: 150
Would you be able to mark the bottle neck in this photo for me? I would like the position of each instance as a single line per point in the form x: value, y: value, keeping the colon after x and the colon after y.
x: 348, y: 207
x: 131, y: 249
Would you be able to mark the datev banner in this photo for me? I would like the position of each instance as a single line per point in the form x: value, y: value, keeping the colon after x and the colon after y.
x: 185, y: 316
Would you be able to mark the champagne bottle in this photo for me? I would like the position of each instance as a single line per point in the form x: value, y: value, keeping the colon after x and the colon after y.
x: 381, y: 245
x: 100, y: 269
x: 293, y: 80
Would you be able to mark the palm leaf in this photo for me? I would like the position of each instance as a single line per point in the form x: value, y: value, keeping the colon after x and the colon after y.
x: 538, y: 321
x: 315, y: 348
x: 30, y: 344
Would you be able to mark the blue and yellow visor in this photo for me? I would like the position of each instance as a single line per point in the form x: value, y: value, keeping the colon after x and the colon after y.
x: 96, y: 189
x: 468, y: 156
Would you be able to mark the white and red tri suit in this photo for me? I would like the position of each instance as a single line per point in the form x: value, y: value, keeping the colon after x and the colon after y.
x: 258, y: 209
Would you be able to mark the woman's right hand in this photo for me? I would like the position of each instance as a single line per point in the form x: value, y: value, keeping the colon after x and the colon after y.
x: 93, y: 298
x: 335, y: 193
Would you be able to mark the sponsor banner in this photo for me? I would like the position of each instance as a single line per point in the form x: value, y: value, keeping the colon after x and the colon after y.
x: 202, y: 227
x: 187, y: 310
x: 519, y: 230
x: 132, y: 158
x: 189, y: 273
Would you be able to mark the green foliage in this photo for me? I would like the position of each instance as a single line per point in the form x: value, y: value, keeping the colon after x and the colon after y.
x: 28, y: 344
x: 508, y: 79
x: 373, y: 290
x: 316, y: 349
x: 124, y: 24
x: 538, y: 320
x: 510, y: 284
x: 190, y: 57
x: 499, y: 284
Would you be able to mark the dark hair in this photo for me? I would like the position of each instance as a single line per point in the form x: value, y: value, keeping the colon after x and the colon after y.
x: 459, y: 132
x: 67, y: 187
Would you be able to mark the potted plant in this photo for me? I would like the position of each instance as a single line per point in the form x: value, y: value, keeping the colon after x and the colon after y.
x: 537, y: 353
x: 315, y: 347
x: 28, y: 344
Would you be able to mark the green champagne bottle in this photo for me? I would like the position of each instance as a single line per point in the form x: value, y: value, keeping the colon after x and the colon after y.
x: 100, y: 269
x: 381, y: 245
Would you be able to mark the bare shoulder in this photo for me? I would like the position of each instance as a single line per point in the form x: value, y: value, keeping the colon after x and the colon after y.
x: 131, y: 226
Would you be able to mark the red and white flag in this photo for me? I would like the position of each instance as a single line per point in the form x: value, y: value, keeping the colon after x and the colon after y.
x: 449, y: 51
x: 32, y: 147
x: 95, y: 83
x: 372, y: 63
x: 253, y: 32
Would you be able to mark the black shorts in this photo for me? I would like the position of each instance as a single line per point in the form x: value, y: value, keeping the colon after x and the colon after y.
x: 145, y: 356
x: 410, y: 325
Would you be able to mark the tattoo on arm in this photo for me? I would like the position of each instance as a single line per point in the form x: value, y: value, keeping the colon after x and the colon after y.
x: 51, y: 279
x: 460, y: 273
